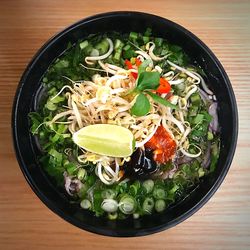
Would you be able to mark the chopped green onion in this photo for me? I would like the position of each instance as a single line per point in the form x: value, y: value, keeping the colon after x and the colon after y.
x: 117, y: 55
x: 54, y: 153
x: 158, y: 41
x: 198, y: 119
x: 118, y: 43
x: 84, y: 44
x: 195, y: 99
x: 160, y: 205
x: 52, y: 91
x: 50, y: 106
x: 175, y: 187
x: 148, y: 205
x: 148, y: 32
x: 133, y: 189
x: 103, y: 46
x: 109, y: 205
x: 133, y: 35
x: 71, y: 168
x: 61, y: 64
x: 148, y: 185
x: 55, y: 138
x: 126, y: 47
x: 42, y: 135
x: 83, y: 190
x: 87, y: 50
x: 127, y: 204
x: 45, y: 79
x: 85, y: 204
x: 90, y: 180
x: 215, y: 149
x: 66, y: 135
x: 159, y: 193
x: 210, y: 136
x: 193, y: 110
x: 145, y: 39
x: 81, y: 174
x: 108, y: 194
x: 94, y: 52
x: 127, y: 54
x: 57, y: 99
x: 201, y: 172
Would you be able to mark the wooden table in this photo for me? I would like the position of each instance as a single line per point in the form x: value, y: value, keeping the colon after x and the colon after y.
x: 223, y: 223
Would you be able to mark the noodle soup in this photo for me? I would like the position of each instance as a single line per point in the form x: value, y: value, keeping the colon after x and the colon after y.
x: 128, y: 125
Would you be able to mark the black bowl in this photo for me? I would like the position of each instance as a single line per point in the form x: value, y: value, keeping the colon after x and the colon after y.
x: 26, y: 149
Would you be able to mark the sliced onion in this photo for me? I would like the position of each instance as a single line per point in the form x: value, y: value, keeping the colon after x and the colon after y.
x: 182, y: 160
x: 204, y: 96
x: 214, y: 124
x: 71, y: 185
x: 207, y: 159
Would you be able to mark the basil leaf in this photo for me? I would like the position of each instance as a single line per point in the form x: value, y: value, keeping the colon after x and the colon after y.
x: 144, y: 65
x: 162, y: 100
x: 148, y: 80
x: 141, y: 106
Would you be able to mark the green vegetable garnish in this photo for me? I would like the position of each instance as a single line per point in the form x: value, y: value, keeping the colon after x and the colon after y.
x: 141, y: 106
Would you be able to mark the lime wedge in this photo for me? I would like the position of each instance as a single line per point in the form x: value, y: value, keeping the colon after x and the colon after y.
x: 105, y: 139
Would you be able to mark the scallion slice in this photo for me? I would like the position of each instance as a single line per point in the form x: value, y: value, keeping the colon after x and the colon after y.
x: 85, y: 204
x: 160, y: 205
x: 127, y: 204
x: 159, y: 193
x: 109, y: 205
x: 148, y: 185
x: 148, y: 205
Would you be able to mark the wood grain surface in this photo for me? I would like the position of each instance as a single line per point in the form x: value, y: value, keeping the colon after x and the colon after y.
x: 223, y: 223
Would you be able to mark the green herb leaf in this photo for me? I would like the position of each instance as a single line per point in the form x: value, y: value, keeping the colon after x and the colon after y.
x: 148, y: 80
x: 162, y: 100
x: 141, y: 106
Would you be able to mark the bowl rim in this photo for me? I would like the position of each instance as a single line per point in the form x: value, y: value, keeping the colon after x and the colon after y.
x: 109, y: 232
